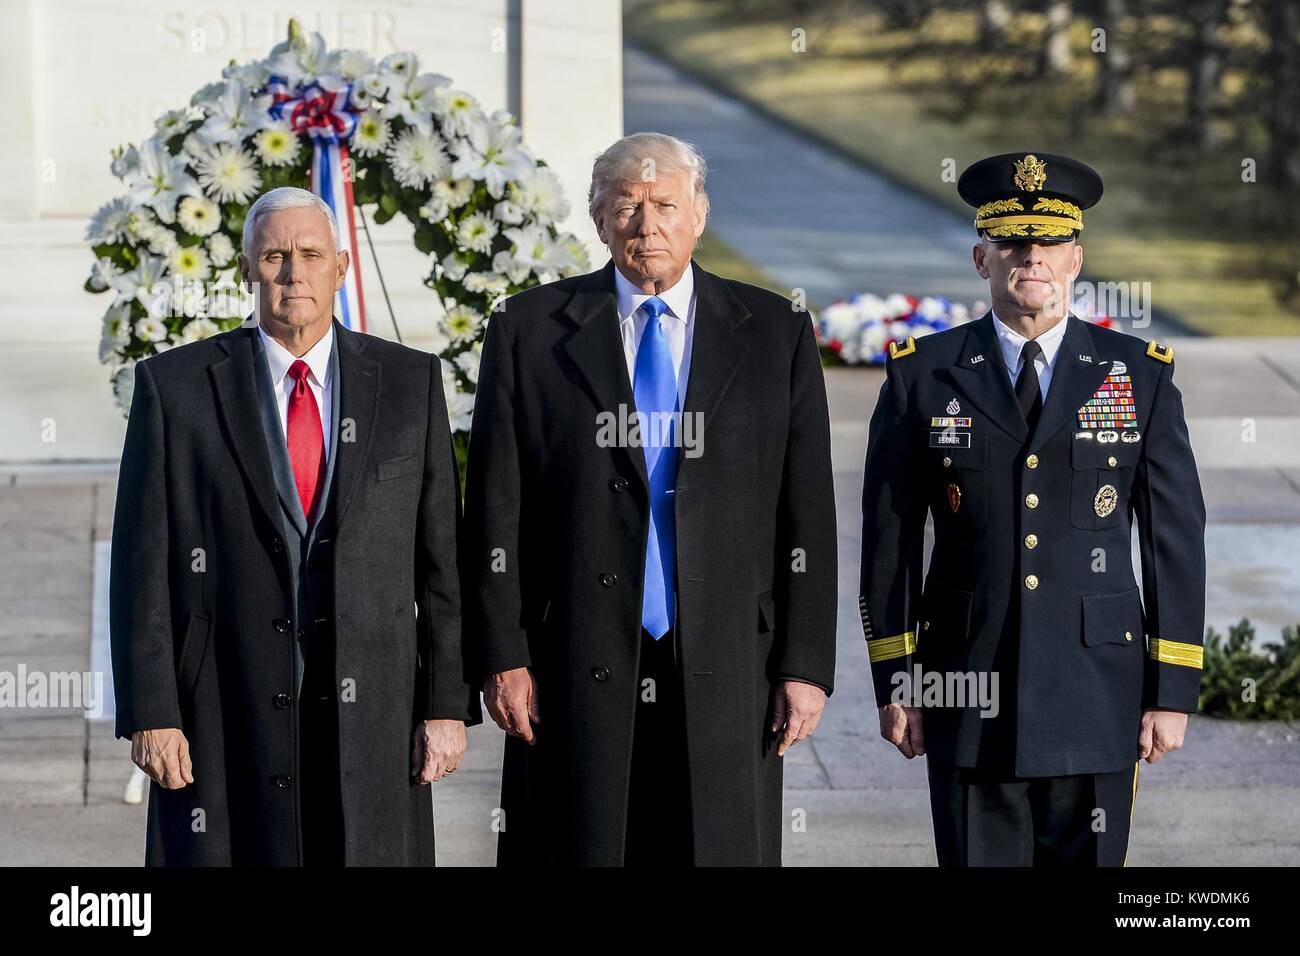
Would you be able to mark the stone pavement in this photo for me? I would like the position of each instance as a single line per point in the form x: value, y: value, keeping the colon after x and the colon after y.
x: 1231, y: 796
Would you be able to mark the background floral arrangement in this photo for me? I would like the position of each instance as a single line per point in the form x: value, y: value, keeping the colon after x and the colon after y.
x: 483, y: 208
x: 857, y: 331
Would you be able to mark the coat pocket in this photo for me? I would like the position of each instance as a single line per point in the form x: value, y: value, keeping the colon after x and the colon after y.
x: 396, y: 467
x: 1113, y: 618
x: 193, y: 648
x: 1101, y: 474
x: 961, y: 478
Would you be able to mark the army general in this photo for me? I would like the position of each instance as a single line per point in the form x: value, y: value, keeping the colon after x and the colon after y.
x: 1027, y: 664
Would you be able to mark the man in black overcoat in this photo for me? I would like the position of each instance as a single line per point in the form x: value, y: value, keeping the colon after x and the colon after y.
x: 651, y: 555
x: 285, y: 606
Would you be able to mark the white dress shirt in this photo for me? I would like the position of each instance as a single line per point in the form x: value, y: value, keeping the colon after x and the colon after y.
x: 320, y: 381
x: 1012, y: 342
x: 678, y: 322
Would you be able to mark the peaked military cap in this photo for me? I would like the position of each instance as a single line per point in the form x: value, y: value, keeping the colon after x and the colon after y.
x: 1020, y: 196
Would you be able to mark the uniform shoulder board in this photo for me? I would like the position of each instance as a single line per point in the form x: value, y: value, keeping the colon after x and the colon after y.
x: 897, y: 352
x: 1162, y: 353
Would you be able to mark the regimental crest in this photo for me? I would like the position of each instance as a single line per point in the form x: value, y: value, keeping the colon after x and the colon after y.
x: 1031, y: 173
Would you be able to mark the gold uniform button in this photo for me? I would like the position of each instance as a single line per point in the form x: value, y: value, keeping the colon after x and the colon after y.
x: 1112, y: 461
x: 1031, y: 541
x: 1031, y: 461
x: 1031, y: 500
x: 1031, y: 581
x: 947, y: 462
x: 1128, y: 635
x: 925, y: 625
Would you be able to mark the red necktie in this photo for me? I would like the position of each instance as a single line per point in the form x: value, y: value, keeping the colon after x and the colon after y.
x: 306, y: 438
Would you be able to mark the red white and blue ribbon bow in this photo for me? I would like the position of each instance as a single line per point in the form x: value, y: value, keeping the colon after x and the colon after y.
x: 323, y: 115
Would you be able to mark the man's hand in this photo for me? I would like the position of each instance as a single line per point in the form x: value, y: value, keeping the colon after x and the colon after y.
x: 511, y: 698
x: 164, y: 755
x: 796, y: 708
x: 437, y: 747
x: 1162, y: 732
x: 901, y: 726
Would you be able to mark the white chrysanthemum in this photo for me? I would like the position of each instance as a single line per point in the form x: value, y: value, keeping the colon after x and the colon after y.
x: 172, y: 122
x: 162, y: 241
x: 138, y: 283
x: 398, y: 68
x: 457, y: 110
x: 460, y: 410
x: 453, y: 268
x: 102, y: 273
x: 506, y: 264
x: 198, y: 329
x: 190, y: 262
x: 489, y: 282
x: 229, y: 174
x: 435, y: 211
x: 462, y: 323
x: 124, y: 385
x: 454, y: 192
x: 116, y: 332
x: 198, y: 215
x: 150, y: 329
x: 476, y: 231
x: 277, y: 145
x: 220, y: 249
x: 539, y: 192
x: 371, y: 135
x: 417, y: 158
x: 193, y: 149
x: 468, y: 361
x: 109, y: 222
x: 508, y: 212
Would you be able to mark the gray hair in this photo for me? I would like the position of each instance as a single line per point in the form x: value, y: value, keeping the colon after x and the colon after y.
x: 286, y: 197
x: 628, y: 157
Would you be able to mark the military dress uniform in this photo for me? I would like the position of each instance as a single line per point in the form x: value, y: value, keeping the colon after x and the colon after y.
x: 1031, y: 577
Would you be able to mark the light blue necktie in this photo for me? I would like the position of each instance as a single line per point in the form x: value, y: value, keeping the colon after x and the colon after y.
x: 655, y: 390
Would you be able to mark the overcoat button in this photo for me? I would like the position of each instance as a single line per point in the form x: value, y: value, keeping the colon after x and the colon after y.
x: 618, y: 484
x: 1112, y: 461
x: 1031, y: 461
x: 1031, y: 500
x: 1031, y: 541
x: 281, y: 625
x: 282, y: 700
x: 608, y: 579
x: 600, y: 672
x: 1128, y: 635
x: 947, y: 462
x: 1031, y: 581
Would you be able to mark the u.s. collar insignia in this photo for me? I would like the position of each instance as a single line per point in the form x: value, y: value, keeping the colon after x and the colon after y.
x: 1031, y: 173
x: 976, y: 359
x: 1086, y: 358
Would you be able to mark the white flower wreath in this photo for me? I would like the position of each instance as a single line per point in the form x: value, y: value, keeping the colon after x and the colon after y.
x: 484, y: 209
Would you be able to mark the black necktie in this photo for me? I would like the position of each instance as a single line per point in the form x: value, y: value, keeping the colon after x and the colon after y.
x: 1027, y: 393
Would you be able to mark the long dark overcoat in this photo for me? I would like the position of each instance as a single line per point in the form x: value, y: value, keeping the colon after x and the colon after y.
x: 208, y: 646
x: 556, y: 526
